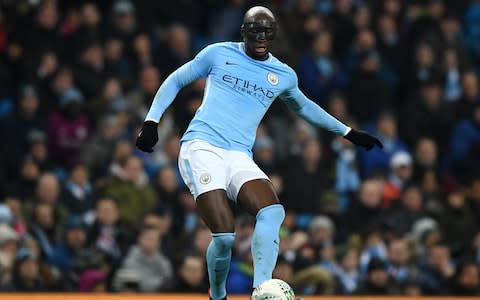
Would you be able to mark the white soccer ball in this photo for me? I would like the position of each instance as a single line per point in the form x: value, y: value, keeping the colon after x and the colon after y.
x: 273, y: 289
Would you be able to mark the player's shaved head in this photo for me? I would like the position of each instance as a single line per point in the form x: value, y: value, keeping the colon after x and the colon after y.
x: 258, y: 12
x: 258, y: 31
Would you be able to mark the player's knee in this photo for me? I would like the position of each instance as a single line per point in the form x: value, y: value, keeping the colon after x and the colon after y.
x: 223, y: 241
x: 271, y: 213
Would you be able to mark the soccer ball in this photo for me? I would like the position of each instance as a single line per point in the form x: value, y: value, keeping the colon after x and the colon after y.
x: 273, y: 289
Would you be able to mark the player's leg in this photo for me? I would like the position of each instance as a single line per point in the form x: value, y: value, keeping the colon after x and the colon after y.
x: 216, y: 213
x: 259, y: 199
x: 203, y: 169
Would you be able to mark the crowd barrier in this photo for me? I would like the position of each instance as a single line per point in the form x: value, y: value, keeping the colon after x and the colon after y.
x: 68, y: 296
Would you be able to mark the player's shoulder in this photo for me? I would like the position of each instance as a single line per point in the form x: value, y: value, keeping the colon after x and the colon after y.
x: 285, y: 68
x: 221, y: 46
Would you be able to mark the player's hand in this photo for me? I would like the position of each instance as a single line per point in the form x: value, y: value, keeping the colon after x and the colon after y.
x: 361, y: 138
x: 147, y: 137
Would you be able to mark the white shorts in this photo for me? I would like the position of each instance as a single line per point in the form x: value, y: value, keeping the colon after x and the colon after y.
x: 205, y: 168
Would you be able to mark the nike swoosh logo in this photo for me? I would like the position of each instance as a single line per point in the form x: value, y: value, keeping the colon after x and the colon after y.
x: 276, y: 242
x: 230, y: 63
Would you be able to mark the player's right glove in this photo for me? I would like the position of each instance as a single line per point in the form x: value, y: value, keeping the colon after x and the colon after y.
x: 147, y: 137
x: 361, y: 138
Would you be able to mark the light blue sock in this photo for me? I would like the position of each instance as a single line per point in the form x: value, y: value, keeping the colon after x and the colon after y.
x: 265, y: 242
x: 219, y: 253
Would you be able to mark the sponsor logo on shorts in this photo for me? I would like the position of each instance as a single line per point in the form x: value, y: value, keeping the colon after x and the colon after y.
x: 205, y: 178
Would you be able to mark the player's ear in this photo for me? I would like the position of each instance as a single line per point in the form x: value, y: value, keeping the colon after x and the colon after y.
x: 242, y: 31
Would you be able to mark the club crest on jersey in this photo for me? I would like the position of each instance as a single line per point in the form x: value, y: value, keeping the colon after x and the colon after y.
x: 272, y: 78
x: 205, y: 178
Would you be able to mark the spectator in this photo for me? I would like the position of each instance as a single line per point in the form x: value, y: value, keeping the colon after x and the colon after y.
x: 470, y: 95
x: 68, y: 128
x: 452, y: 76
x: 318, y: 71
x: 347, y: 275
x: 437, y: 270
x: 8, y: 252
x: 26, y: 275
x: 377, y: 281
x: 191, y: 276
x: 346, y: 171
x: 43, y: 33
x: 124, y: 23
x: 399, y: 267
x: 90, y: 71
x: 129, y: 186
x: 400, y: 174
x: 146, y: 260
x: 377, y: 161
x: 97, y: 152
x: 116, y: 62
x: 464, y: 143
x: 48, y: 192
x: 176, y: 48
x: 391, y: 42
x: 374, y: 249
x: 430, y: 116
x: 426, y: 155
x: 44, y: 230
x: 457, y: 223
x: 365, y: 211
x: 370, y: 87
x: 108, y: 233
x: 406, y: 211
x: 466, y: 280
x: 111, y: 100
x: 24, y: 119
x: 264, y: 153
x: 38, y: 150
x: 90, y: 28
x: 71, y: 246
x: 78, y: 192
x: 312, y: 169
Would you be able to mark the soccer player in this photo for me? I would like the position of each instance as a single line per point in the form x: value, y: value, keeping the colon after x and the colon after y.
x: 215, y: 161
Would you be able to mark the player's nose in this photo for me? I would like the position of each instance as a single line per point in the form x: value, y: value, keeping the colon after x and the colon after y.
x: 261, y: 36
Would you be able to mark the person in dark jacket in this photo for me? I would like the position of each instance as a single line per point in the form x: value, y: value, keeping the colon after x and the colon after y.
x: 377, y: 282
x: 466, y: 281
x: 26, y: 274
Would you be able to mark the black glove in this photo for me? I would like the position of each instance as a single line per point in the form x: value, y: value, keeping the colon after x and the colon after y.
x: 361, y: 138
x: 147, y: 137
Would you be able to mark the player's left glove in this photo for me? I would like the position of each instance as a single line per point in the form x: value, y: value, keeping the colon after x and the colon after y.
x: 361, y: 138
x: 147, y: 137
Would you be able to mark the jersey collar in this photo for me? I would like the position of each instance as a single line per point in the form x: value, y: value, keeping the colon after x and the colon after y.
x: 241, y: 48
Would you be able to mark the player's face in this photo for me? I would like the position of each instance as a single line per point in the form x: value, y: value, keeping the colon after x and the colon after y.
x: 258, y: 36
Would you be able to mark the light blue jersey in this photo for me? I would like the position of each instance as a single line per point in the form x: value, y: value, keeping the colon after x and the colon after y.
x: 238, y: 92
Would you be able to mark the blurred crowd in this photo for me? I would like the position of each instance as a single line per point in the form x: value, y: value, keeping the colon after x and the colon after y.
x: 83, y: 210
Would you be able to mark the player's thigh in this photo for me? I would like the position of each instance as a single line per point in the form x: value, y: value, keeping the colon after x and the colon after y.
x: 202, y: 167
x: 256, y: 194
x: 248, y: 184
x: 215, y: 211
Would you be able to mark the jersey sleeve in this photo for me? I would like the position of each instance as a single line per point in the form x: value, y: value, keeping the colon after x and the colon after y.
x: 199, y: 67
x: 309, y: 110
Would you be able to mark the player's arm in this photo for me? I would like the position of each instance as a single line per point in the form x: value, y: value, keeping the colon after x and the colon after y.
x: 313, y: 113
x: 187, y: 73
